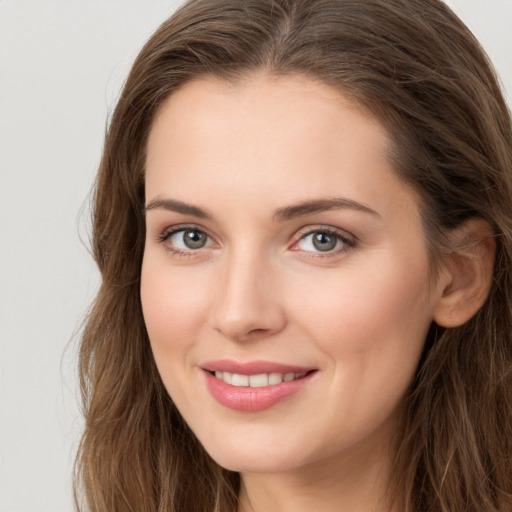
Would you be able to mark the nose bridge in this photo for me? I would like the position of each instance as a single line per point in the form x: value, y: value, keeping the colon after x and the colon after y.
x: 247, y: 301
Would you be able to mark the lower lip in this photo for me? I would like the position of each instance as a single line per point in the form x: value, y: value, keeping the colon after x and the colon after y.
x: 247, y: 399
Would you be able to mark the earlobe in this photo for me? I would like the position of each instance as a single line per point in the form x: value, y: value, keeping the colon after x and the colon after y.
x: 468, y: 272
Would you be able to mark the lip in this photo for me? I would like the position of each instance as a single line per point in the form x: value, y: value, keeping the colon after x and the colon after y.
x: 248, y: 399
x: 252, y: 367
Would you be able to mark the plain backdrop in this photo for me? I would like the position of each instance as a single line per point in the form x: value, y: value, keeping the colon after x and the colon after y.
x: 62, y: 64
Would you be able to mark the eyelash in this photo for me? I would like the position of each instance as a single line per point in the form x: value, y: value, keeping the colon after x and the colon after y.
x: 349, y: 241
x: 168, y: 233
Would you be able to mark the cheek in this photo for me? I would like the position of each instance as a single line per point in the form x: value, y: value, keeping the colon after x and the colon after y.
x: 174, y: 304
x: 371, y: 322
x: 371, y: 327
x: 366, y: 300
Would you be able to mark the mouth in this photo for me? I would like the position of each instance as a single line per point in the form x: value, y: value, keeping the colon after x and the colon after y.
x: 259, y: 380
x: 255, y: 386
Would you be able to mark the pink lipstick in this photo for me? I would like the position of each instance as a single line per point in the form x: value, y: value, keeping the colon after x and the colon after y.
x: 256, y: 385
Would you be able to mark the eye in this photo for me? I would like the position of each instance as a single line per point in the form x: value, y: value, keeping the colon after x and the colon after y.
x: 184, y: 240
x: 189, y: 239
x: 324, y: 241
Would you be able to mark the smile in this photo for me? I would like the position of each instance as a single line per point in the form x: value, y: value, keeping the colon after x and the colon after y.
x: 257, y: 381
x: 254, y: 386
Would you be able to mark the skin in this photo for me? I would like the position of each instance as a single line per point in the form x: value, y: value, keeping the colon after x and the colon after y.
x: 260, y: 290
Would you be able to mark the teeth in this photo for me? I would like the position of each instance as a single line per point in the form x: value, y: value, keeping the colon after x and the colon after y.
x: 257, y: 381
x: 239, y: 380
x: 275, y: 378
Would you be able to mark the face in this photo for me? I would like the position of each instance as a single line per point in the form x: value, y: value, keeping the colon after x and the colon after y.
x: 285, y: 280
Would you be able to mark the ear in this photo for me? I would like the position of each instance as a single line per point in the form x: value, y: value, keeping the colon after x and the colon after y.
x: 467, y: 273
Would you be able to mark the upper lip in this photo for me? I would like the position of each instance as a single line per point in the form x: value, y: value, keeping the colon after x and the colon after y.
x: 252, y: 367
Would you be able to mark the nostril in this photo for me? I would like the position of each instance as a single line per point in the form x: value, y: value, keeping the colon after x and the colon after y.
x: 257, y: 331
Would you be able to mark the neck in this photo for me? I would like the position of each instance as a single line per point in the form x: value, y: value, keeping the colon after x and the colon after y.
x: 356, y: 483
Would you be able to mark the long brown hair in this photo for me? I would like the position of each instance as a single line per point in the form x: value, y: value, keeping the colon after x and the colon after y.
x: 419, y: 71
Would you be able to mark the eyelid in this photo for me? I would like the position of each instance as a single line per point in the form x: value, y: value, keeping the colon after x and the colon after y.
x: 168, y: 232
x: 346, y: 237
x: 350, y: 241
x: 324, y: 228
x: 175, y: 228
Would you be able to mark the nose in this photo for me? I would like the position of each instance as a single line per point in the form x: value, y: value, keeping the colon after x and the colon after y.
x: 248, y: 305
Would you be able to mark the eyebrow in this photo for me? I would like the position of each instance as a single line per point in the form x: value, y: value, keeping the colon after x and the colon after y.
x: 321, y: 205
x: 280, y: 215
x: 173, y: 205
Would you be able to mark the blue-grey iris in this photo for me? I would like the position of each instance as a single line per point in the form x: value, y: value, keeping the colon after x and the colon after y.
x: 324, y: 241
x: 194, y: 239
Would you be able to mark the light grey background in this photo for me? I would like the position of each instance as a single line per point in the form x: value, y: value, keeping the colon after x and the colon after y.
x: 62, y: 64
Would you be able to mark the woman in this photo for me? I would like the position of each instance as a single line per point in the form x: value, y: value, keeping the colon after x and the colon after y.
x: 303, y: 224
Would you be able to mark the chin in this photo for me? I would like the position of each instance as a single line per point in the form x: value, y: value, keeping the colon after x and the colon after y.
x: 254, y: 462
x: 246, y: 455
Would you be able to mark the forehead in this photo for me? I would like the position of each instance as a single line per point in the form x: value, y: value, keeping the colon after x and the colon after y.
x: 267, y: 135
x: 295, y: 104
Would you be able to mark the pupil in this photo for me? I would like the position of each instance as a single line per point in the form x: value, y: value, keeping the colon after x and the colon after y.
x: 324, y: 242
x: 194, y: 239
